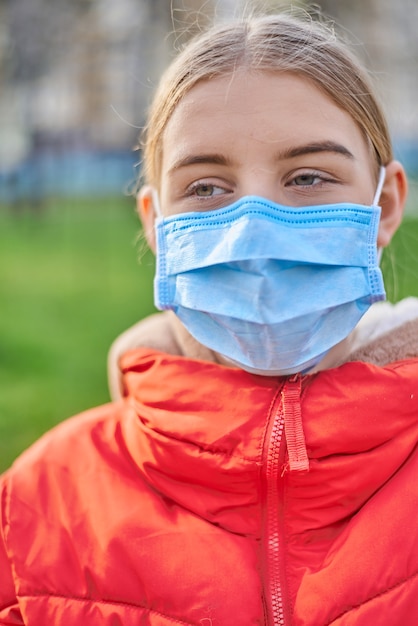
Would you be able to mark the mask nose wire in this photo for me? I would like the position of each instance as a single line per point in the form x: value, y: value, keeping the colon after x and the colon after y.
x: 380, y: 183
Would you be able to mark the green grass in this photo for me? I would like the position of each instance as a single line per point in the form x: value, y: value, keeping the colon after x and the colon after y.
x: 400, y: 261
x: 70, y: 282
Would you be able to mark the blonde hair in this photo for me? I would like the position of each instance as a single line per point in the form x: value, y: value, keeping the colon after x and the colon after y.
x: 268, y: 43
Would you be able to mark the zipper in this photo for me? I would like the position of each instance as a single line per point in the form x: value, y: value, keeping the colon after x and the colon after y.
x: 284, y: 434
x: 274, y: 450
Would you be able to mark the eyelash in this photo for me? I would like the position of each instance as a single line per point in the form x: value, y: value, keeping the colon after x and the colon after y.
x: 312, y: 174
x: 192, y: 189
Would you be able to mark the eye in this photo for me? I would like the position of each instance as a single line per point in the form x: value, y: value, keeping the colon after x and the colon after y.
x: 306, y: 180
x: 205, y: 190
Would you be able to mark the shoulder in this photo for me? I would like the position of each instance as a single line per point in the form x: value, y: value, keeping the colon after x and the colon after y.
x: 39, y: 487
x: 75, y: 471
x: 57, y: 443
x: 89, y: 442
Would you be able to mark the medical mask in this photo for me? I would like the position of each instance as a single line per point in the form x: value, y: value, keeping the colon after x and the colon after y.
x: 272, y: 288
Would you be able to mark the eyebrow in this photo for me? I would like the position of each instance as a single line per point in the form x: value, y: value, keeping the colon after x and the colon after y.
x: 314, y: 148
x: 196, y: 159
x: 289, y: 153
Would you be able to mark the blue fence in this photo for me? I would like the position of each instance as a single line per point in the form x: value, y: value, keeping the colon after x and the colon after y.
x: 73, y: 173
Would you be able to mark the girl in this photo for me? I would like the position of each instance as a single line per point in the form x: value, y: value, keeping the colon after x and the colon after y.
x: 260, y: 465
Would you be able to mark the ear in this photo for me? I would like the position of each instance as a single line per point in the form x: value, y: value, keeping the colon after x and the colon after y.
x: 147, y: 213
x: 392, y: 201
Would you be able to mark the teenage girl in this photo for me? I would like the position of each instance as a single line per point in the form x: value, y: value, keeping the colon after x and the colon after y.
x: 260, y: 465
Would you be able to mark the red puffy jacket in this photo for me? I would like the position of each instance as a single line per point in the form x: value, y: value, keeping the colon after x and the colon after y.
x: 213, y: 497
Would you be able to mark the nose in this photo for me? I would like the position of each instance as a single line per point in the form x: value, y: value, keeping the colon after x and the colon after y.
x: 261, y: 182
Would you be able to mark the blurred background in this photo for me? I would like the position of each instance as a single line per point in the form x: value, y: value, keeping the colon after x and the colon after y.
x: 76, y: 77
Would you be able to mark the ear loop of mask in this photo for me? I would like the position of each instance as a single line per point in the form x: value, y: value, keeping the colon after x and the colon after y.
x: 156, y: 202
x: 380, y: 183
x: 379, y: 188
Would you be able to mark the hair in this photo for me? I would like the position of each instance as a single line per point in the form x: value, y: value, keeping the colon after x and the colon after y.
x: 269, y: 43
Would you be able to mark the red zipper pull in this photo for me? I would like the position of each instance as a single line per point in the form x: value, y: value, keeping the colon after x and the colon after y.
x: 293, y: 427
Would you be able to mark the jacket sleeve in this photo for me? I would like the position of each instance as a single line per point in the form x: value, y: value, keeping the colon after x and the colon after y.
x: 9, y: 608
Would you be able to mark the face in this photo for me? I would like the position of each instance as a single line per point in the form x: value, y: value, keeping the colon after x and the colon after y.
x: 274, y: 135
x: 270, y: 134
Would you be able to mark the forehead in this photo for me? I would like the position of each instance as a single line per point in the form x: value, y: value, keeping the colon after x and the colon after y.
x: 273, y: 108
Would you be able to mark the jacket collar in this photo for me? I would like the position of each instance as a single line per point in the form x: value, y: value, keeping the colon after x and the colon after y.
x: 196, y: 431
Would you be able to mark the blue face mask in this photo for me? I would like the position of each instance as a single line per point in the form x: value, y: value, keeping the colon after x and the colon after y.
x: 272, y: 288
